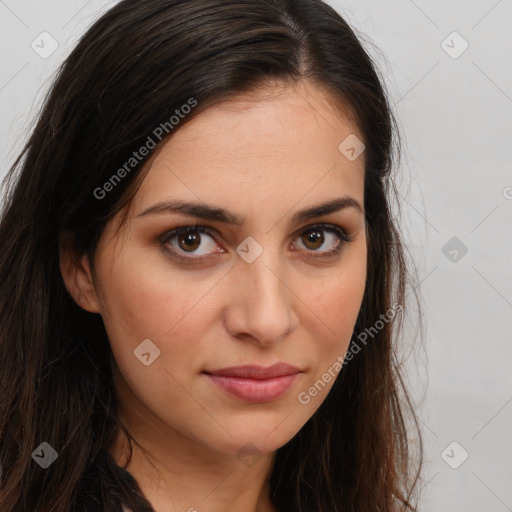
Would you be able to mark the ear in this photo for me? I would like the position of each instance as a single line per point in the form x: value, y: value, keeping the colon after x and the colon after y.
x: 76, y: 273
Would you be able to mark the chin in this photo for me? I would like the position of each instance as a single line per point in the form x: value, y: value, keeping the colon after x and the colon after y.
x: 267, y: 438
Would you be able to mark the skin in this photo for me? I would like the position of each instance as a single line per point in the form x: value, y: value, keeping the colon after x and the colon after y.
x: 264, y: 156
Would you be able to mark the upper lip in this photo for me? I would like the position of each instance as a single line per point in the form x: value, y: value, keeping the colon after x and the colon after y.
x: 252, y: 371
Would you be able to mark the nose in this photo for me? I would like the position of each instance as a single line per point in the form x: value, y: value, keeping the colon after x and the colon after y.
x: 261, y: 305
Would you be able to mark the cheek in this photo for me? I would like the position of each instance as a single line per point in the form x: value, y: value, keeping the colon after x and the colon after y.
x: 339, y: 297
x: 141, y: 302
x: 336, y: 307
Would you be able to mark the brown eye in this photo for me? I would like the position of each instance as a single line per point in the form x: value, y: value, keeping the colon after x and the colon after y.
x: 320, y: 235
x: 313, y: 239
x: 189, y: 241
x: 185, y: 241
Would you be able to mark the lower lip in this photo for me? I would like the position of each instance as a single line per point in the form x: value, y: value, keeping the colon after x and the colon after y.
x: 254, y: 390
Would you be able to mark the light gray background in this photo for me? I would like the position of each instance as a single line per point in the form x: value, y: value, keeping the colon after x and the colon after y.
x: 456, y: 118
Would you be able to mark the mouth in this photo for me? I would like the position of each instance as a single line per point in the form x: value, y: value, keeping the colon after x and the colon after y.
x: 255, y: 384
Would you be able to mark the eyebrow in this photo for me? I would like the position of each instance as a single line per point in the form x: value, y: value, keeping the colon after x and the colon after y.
x: 203, y: 211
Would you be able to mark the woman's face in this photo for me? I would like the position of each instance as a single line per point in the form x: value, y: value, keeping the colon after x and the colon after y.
x: 269, y: 289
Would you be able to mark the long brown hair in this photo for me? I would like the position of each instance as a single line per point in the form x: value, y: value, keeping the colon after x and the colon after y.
x: 135, y: 66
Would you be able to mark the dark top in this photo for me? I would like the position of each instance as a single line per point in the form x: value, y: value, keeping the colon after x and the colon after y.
x: 103, y: 485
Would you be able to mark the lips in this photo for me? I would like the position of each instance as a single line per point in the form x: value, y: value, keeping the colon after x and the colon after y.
x: 256, y: 372
x: 255, y: 384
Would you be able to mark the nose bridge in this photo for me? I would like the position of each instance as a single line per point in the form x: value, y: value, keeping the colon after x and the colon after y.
x: 263, y: 301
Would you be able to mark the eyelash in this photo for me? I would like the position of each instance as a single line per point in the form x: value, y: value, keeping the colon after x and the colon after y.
x: 344, y: 238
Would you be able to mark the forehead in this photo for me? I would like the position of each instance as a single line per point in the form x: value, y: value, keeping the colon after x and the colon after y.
x: 275, y: 145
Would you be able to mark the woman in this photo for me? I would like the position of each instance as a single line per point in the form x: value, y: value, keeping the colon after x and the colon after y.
x: 201, y: 280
